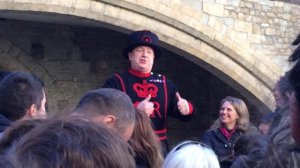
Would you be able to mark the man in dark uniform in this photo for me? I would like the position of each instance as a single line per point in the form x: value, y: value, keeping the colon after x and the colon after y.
x: 151, y: 93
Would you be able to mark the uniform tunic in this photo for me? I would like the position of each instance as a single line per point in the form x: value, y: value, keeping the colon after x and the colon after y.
x: 139, y: 85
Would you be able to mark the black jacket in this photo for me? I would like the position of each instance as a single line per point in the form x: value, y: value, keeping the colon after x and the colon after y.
x: 223, y: 148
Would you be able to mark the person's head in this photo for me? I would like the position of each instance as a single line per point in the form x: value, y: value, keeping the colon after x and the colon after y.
x: 16, y: 131
x: 233, y: 113
x: 264, y: 127
x: 142, y: 49
x: 72, y: 142
x: 145, y: 143
x: 265, y: 123
x: 191, y: 154
x: 22, y: 96
x: 109, y: 106
x: 3, y: 74
x: 294, y: 79
x: 283, y: 155
x: 282, y: 91
x: 6, y: 162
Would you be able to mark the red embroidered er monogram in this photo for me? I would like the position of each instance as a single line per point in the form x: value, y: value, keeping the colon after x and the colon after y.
x: 156, y: 112
x: 144, y: 89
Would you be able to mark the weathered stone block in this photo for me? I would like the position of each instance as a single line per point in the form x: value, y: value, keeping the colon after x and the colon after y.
x: 243, y: 26
x: 215, y: 23
x: 213, y: 9
x: 270, y: 31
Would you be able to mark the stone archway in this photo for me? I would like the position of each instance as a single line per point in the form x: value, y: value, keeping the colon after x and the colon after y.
x: 15, y: 59
x: 184, y: 32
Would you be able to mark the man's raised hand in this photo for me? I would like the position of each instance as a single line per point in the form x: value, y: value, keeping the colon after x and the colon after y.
x: 146, y: 106
x: 182, y: 104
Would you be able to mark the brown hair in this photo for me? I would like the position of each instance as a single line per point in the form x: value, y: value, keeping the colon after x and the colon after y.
x: 145, y: 143
x: 16, y: 131
x: 72, y: 143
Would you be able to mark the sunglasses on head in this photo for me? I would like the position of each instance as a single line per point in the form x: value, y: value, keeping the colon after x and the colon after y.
x: 186, y: 143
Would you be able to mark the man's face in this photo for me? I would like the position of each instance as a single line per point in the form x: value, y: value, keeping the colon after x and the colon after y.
x: 41, y: 112
x: 141, y: 59
x: 128, y: 132
x: 264, y: 128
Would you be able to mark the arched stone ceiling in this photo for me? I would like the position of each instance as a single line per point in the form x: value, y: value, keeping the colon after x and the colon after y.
x: 179, y: 27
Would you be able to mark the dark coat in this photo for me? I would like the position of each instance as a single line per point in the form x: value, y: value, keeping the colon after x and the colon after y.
x: 4, y: 123
x: 223, y: 148
x: 142, y: 162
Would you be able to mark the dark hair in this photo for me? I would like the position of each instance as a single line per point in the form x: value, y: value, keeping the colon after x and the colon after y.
x: 296, y: 54
x: 18, y: 91
x: 283, y: 86
x: 145, y: 143
x: 73, y: 143
x: 294, y: 77
x: 16, y: 131
x: 3, y: 74
x: 6, y: 162
x: 268, y: 118
x: 107, y: 101
x: 281, y: 156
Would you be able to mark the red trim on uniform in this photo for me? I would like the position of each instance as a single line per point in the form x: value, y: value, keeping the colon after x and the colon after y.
x: 160, y: 131
x: 122, y: 82
x: 190, y: 107
x: 166, y: 98
x: 162, y: 138
x: 139, y: 74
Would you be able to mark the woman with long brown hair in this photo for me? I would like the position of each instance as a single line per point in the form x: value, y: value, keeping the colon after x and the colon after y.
x: 145, y: 143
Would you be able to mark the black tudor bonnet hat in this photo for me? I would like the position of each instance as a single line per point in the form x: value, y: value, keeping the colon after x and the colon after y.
x: 143, y: 38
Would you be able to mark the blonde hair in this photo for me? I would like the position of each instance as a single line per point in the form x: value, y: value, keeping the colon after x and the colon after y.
x: 240, y: 107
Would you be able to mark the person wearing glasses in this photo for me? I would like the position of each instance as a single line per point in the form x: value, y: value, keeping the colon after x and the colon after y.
x: 233, y: 121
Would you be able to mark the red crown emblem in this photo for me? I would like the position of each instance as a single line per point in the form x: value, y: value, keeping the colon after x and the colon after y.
x: 143, y: 90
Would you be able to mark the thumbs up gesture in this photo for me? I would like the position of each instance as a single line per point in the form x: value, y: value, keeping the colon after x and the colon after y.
x: 182, y: 104
x: 146, y: 106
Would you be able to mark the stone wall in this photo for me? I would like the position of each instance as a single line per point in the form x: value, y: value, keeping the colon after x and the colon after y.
x: 80, y: 58
x: 265, y: 27
x: 221, y: 36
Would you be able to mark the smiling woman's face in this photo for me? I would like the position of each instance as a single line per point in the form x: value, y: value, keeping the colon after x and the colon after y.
x: 228, y: 115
